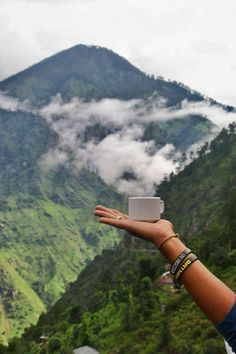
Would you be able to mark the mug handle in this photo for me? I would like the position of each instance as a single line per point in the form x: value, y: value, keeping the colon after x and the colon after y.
x: 162, y: 206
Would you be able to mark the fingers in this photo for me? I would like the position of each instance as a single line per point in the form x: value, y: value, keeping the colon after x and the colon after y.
x: 101, y: 208
x: 105, y: 214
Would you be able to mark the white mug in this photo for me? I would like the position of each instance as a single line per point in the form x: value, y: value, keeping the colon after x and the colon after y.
x: 145, y: 208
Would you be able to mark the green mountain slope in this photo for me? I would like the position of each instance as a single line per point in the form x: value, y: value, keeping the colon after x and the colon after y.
x: 182, y: 133
x: 210, y: 181
x: 90, y: 72
x: 47, y: 232
x: 123, y: 308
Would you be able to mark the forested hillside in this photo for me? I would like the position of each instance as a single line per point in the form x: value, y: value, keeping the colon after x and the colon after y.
x: 124, y: 308
x: 44, y: 215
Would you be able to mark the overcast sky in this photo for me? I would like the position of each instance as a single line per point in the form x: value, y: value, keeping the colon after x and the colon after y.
x: 185, y: 40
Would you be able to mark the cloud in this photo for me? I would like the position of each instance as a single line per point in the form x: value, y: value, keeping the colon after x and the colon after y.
x: 116, y: 113
x: 120, y: 156
x: 54, y: 158
x: 106, y: 112
x: 12, y: 104
x: 106, y: 136
x: 215, y: 113
x: 120, y: 153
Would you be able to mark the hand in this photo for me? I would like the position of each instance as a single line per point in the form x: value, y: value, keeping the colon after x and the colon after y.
x: 155, y: 232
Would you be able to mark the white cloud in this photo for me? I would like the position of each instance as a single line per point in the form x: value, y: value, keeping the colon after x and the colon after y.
x: 54, y: 158
x: 122, y: 150
x: 115, y: 113
x: 121, y: 153
x: 12, y: 104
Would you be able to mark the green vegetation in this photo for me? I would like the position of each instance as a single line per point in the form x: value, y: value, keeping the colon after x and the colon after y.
x: 124, y: 308
x: 182, y: 133
x: 36, y: 250
x: 47, y: 231
x: 200, y: 195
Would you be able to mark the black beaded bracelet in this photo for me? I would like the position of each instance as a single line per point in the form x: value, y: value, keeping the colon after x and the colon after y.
x: 178, y: 260
x: 184, y: 265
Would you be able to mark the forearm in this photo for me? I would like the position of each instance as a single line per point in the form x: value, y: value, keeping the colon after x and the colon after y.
x: 213, y: 297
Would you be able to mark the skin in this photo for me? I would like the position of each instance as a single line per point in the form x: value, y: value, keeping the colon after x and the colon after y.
x: 212, y: 296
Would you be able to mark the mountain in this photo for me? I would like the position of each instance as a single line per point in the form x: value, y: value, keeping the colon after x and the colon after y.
x: 90, y: 72
x: 123, y: 308
x: 47, y: 231
x: 95, y: 73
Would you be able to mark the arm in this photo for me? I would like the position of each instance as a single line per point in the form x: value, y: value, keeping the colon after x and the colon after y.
x: 213, y: 297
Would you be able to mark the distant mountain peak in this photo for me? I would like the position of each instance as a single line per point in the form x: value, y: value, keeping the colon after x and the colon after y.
x: 90, y: 72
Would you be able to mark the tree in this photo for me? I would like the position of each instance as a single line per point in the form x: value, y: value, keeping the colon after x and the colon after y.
x: 183, y: 158
x: 192, y: 155
x: 146, y: 297
x: 75, y: 314
x: 130, y: 313
x: 147, y: 267
x: 232, y: 128
x: 54, y: 344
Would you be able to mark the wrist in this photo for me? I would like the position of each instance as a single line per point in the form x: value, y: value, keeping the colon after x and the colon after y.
x: 163, y: 237
x: 172, y: 248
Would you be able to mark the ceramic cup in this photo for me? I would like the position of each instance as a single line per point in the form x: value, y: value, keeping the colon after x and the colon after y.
x: 145, y: 208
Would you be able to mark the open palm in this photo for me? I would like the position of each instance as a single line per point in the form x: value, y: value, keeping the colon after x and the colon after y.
x: 155, y: 232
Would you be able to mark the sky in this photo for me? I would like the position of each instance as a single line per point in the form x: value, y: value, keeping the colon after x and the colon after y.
x: 185, y: 40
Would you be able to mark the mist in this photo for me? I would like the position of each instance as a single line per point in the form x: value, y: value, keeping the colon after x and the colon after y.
x: 13, y: 104
x: 122, y: 158
x: 114, y: 112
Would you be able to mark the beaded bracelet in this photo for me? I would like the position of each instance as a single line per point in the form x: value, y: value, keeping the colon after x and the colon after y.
x: 178, y: 260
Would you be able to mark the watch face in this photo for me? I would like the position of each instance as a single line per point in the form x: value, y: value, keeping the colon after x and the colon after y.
x: 228, y: 349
